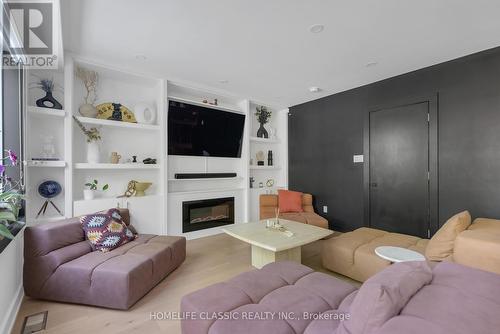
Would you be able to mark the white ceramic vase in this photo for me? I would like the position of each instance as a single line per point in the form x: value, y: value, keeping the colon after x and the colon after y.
x: 88, y: 194
x: 93, y: 152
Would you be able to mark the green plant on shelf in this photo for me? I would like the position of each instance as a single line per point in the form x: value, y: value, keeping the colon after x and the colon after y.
x: 94, y: 185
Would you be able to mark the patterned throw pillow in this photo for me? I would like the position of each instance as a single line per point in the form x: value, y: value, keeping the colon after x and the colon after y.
x: 106, y: 231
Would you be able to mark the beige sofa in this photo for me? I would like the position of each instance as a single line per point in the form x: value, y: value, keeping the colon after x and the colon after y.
x: 352, y: 254
x: 269, y: 204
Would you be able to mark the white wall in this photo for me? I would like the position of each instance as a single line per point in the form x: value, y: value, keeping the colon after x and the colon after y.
x: 11, y: 289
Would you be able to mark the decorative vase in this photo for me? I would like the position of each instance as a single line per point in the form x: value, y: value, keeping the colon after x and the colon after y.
x: 88, y: 110
x: 93, y: 152
x: 48, y: 101
x: 262, y: 132
x: 144, y: 113
x: 88, y: 194
x: 140, y: 188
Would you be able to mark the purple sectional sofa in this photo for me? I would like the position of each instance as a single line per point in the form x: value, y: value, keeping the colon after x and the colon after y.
x: 59, y: 265
x: 289, y: 298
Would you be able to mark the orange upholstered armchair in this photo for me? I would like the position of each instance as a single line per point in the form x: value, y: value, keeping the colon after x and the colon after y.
x: 269, y: 204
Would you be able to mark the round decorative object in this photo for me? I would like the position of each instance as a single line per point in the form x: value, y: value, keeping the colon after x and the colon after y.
x: 105, y: 111
x: 145, y: 113
x: 88, y: 110
x: 270, y: 183
x: 49, y: 189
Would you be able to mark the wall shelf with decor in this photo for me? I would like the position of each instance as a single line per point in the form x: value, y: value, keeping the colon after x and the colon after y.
x: 45, y: 112
x: 253, y: 167
x: 127, y: 125
x: 269, y: 176
x: 46, y: 149
x: 264, y: 140
x: 42, y: 163
x: 126, y: 109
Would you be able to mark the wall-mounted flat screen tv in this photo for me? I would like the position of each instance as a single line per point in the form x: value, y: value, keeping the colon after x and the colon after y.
x: 200, y: 131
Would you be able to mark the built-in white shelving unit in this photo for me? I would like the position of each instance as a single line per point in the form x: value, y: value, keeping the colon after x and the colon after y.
x: 160, y: 211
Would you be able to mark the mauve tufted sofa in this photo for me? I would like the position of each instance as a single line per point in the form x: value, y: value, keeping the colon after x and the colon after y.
x: 407, y: 298
x: 60, y: 265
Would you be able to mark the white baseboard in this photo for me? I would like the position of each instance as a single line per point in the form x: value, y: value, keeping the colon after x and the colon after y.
x: 11, y: 314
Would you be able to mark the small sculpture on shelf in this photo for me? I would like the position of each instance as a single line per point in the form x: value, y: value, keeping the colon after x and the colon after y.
x: 269, y: 158
x: 215, y: 103
x: 149, y: 161
x: 89, y: 79
x: 117, y: 114
x: 134, y: 159
x: 136, y: 188
x: 49, y: 190
x: 115, y: 157
x: 252, y: 180
x: 259, y: 156
x: 263, y: 116
x: 48, y: 101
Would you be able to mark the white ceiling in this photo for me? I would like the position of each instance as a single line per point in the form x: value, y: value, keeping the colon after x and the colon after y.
x: 264, y: 48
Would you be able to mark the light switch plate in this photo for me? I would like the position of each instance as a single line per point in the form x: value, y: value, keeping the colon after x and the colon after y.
x: 358, y: 158
x: 325, y: 209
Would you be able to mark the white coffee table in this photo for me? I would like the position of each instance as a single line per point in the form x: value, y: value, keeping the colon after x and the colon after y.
x: 398, y: 254
x: 269, y: 245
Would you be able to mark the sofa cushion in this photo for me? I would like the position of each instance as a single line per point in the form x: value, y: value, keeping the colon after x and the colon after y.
x: 289, y: 201
x: 106, y: 231
x: 441, y: 244
x: 459, y: 300
x: 384, y: 295
x: 285, y: 295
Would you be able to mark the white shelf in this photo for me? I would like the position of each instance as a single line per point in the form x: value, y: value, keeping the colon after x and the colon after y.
x: 43, y: 163
x: 118, y: 124
x: 238, y: 178
x: 43, y: 112
x: 201, y: 104
x: 254, y: 167
x: 85, y: 165
x: 264, y: 140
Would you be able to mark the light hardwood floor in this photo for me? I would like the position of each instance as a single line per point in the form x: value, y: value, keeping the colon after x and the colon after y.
x: 209, y: 260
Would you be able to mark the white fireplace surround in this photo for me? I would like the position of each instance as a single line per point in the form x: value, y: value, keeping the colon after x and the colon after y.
x: 175, y: 201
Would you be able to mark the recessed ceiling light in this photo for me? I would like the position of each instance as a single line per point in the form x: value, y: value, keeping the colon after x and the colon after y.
x: 141, y: 57
x: 316, y: 28
x: 314, y: 89
x: 224, y: 81
x: 371, y: 64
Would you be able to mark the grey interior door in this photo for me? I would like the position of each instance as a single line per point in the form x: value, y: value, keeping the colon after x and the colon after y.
x: 399, y: 169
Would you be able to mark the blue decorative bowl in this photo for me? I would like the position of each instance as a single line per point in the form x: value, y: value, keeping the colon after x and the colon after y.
x: 49, y: 189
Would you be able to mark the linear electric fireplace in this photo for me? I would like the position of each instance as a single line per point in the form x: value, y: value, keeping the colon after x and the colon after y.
x: 207, y: 213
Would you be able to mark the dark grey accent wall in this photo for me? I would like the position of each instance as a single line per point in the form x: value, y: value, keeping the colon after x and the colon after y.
x: 324, y: 135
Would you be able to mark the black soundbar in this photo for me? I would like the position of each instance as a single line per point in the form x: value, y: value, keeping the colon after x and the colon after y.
x: 204, y: 175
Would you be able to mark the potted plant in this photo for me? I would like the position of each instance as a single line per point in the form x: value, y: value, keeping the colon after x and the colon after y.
x: 11, y: 199
x: 93, y: 138
x: 263, y: 116
x: 48, y: 101
x: 89, y: 192
x: 89, y: 79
